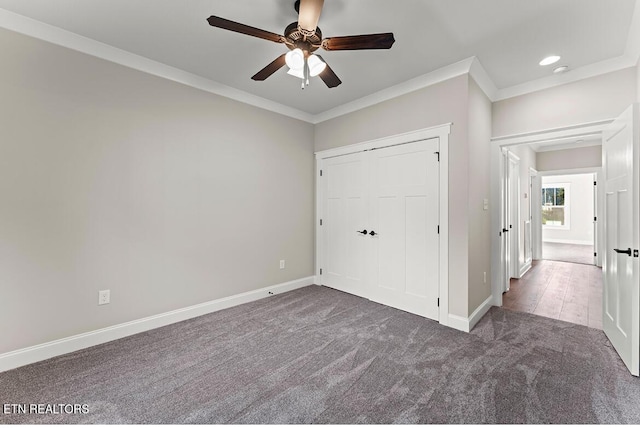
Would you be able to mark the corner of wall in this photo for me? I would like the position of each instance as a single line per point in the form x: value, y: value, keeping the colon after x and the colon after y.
x: 479, y: 220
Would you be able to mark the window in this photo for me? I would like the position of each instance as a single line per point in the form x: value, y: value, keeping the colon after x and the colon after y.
x: 555, y: 206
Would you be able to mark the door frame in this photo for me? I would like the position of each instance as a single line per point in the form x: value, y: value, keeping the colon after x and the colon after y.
x: 442, y: 133
x: 497, y: 178
x: 597, y: 201
x: 513, y: 210
x: 534, y: 218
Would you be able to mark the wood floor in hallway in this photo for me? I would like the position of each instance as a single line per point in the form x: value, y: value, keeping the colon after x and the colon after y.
x: 564, y: 291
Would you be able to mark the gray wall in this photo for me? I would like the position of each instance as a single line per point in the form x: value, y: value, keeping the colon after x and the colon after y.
x: 448, y: 101
x: 479, y: 189
x: 638, y: 81
x: 114, y: 179
x: 588, y: 100
x: 556, y: 160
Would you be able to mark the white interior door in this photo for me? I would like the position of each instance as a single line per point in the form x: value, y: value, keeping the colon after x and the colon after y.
x: 344, y: 221
x: 595, y: 220
x: 514, y: 215
x: 404, y: 223
x: 380, y: 226
x: 506, y: 247
x: 621, y: 302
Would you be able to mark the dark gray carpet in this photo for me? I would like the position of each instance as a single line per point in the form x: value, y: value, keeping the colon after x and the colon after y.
x: 316, y: 355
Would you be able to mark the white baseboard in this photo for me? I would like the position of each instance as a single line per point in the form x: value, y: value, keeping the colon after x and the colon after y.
x: 480, y: 311
x: 524, y: 269
x: 466, y: 324
x: 568, y: 241
x: 32, y: 354
x: 458, y: 322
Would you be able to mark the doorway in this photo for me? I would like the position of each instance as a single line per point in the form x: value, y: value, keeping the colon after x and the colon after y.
x: 569, y: 217
x: 551, y: 265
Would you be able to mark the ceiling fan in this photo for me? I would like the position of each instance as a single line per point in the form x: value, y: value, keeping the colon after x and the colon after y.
x: 303, y: 38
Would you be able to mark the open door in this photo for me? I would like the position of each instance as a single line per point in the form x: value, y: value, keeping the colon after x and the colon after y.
x: 621, y: 302
x: 595, y: 220
x: 504, y: 220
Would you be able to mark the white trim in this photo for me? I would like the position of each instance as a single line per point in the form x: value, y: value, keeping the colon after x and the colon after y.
x: 40, y: 30
x: 580, y: 73
x: 443, y: 216
x: 467, y: 324
x: 32, y: 354
x: 572, y: 171
x: 569, y: 145
x: 442, y: 133
x: 480, y: 312
x: 524, y: 269
x: 497, y: 145
x: 472, y: 66
x: 407, y: 137
x: 599, y: 214
x: 632, y: 49
x: 482, y: 78
x: 420, y: 82
x: 544, y: 135
x: 458, y: 322
x: 567, y: 241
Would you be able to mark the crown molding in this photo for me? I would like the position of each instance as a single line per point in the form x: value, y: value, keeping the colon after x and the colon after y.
x: 628, y: 59
x: 440, y: 75
x: 471, y: 66
x: 632, y: 49
x: 49, y: 33
x: 482, y: 78
x: 591, y: 70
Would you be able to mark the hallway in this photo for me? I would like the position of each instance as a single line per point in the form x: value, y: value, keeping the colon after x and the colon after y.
x: 565, y: 291
x: 571, y: 253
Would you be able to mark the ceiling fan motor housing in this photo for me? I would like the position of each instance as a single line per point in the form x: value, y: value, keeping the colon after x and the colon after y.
x: 295, y: 38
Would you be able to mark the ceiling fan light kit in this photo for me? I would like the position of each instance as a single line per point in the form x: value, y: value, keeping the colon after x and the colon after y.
x: 303, y: 38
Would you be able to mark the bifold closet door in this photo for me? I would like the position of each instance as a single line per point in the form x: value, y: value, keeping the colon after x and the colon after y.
x: 345, y: 215
x: 403, y: 199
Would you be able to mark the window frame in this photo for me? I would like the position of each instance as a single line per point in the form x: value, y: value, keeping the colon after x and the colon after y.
x: 566, y: 206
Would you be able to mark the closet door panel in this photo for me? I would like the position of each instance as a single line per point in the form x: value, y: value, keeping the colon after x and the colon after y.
x: 345, y: 213
x: 404, y: 215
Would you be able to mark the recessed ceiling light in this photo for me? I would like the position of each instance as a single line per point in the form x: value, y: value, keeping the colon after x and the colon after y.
x: 561, y: 69
x: 550, y: 60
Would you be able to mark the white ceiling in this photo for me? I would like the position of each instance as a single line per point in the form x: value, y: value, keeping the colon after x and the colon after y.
x: 508, y: 37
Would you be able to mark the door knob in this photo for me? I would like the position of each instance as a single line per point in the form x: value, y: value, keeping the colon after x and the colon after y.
x: 364, y: 232
x: 372, y: 233
x: 627, y: 251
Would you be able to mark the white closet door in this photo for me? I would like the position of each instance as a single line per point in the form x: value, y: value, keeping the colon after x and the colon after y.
x: 345, y: 213
x: 403, y: 261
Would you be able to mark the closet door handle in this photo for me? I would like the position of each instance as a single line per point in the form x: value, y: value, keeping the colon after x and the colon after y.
x: 364, y: 232
x: 372, y: 233
x: 627, y: 251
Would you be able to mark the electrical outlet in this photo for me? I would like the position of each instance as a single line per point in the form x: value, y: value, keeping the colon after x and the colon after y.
x: 281, y: 264
x: 104, y: 297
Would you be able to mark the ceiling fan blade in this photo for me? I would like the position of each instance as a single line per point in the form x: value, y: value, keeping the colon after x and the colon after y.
x: 274, y: 66
x: 309, y: 14
x: 328, y: 76
x: 225, y: 24
x: 365, y: 41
